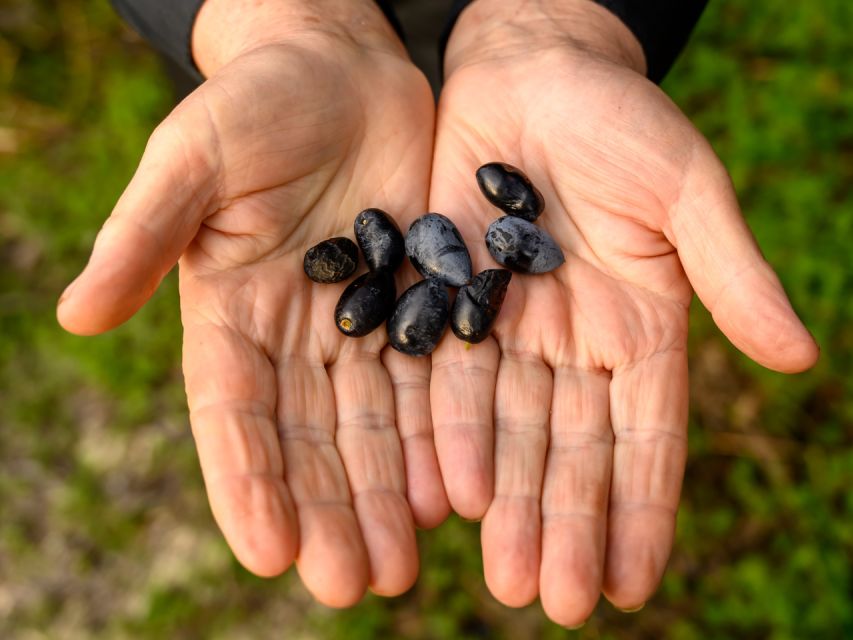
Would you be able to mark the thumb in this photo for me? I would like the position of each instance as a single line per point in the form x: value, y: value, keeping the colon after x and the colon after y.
x: 731, y: 277
x: 159, y: 213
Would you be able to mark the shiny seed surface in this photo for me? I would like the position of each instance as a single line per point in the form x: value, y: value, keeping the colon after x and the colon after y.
x: 332, y: 260
x: 380, y: 240
x: 510, y: 190
x: 436, y: 249
x: 522, y: 246
x: 477, y: 305
x: 420, y: 318
x: 365, y: 303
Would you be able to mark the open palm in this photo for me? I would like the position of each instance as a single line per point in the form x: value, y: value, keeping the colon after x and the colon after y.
x: 585, y: 378
x: 296, y: 425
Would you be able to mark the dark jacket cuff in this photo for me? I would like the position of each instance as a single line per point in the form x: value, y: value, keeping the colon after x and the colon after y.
x: 168, y: 26
x: 661, y: 26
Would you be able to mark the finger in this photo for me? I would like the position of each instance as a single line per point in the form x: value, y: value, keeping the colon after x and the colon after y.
x: 425, y: 490
x: 462, y: 392
x: 231, y: 391
x: 155, y: 219
x: 575, y: 494
x: 731, y: 277
x: 511, y: 529
x: 370, y: 448
x: 332, y: 559
x: 648, y: 408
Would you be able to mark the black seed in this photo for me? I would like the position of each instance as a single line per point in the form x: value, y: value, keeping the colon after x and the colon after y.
x: 437, y: 250
x: 477, y: 305
x: 365, y: 303
x: 332, y: 260
x: 510, y: 190
x: 419, y: 318
x: 380, y: 240
x: 522, y: 246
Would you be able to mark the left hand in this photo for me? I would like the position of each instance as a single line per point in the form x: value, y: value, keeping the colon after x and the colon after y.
x: 585, y: 377
x: 315, y: 448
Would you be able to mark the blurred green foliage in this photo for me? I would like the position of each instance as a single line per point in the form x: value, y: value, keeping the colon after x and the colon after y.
x: 105, y: 530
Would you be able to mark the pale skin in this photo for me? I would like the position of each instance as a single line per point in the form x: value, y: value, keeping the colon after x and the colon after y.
x: 565, y: 431
x: 574, y: 453
x: 308, y: 116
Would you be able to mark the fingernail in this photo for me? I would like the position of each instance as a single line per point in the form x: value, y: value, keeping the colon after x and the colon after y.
x: 633, y: 609
x: 68, y: 290
x: 577, y: 626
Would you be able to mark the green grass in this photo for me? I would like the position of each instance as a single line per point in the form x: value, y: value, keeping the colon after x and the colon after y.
x: 105, y: 531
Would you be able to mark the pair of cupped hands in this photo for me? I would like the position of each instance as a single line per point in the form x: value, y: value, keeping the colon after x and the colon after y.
x: 565, y: 431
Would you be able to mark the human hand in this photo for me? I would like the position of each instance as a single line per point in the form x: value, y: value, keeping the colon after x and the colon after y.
x: 310, y: 114
x: 585, y: 377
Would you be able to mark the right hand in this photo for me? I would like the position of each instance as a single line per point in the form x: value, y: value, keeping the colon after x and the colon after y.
x: 308, y: 116
x: 566, y: 430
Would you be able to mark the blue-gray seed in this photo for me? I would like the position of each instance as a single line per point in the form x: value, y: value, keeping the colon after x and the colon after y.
x: 436, y: 249
x: 522, y: 246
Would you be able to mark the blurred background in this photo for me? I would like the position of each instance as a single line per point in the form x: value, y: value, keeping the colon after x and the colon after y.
x: 104, y: 525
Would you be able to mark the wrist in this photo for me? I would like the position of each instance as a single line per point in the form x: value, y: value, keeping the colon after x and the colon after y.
x: 490, y: 29
x: 226, y: 29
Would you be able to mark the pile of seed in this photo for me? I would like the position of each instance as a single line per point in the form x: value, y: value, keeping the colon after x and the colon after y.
x: 417, y: 320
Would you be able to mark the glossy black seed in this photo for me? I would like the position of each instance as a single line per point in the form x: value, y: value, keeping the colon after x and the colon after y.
x: 419, y: 319
x: 477, y: 305
x: 522, y: 246
x: 510, y: 190
x: 332, y: 260
x: 365, y: 303
x: 437, y: 250
x: 380, y: 240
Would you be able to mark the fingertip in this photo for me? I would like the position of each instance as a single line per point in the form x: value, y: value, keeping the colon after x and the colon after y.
x: 341, y: 595
x: 262, y: 536
x: 430, y: 506
x: 388, y: 530
x: 571, y: 570
x: 801, y: 355
x: 471, y: 501
x: 510, y: 537
x: 265, y: 558
x: 398, y: 579
x: 757, y: 316
x: 635, y: 564
x: 97, y: 302
x: 568, y: 610
x: 345, y: 597
x: 333, y: 562
x: 428, y: 500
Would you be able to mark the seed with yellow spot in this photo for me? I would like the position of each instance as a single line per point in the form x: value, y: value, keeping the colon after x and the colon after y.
x: 346, y: 324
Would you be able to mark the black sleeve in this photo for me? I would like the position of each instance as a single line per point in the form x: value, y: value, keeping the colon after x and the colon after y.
x: 661, y: 26
x: 168, y: 25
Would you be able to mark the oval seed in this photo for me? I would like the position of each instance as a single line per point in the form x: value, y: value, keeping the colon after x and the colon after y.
x: 365, y: 303
x: 522, y: 246
x: 380, y: 240
x: 510, y: 190
x: 436, y: 249
x: 477, y: 305
x: 419, y: 319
